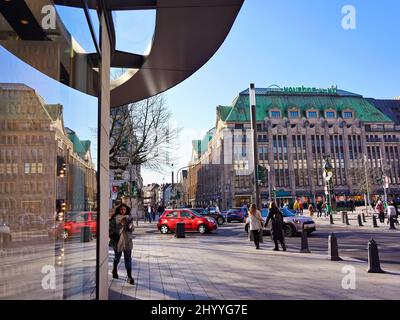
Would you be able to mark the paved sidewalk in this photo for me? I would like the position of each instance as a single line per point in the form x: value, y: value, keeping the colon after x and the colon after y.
x: 225, y: 265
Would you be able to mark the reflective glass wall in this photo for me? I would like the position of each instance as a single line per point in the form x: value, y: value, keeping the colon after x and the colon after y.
x: 48, y: 158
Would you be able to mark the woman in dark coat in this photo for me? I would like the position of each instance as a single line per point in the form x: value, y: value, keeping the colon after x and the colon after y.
x: 120, y: 231
x: 276, y: 218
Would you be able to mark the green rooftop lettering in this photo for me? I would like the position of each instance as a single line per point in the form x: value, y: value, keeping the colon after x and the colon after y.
x: 332, y: 90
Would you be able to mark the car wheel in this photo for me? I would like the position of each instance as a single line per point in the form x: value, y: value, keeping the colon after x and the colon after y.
x: 289, y: 230
x: 220, y: 221
x: 164, y: 229
x: 202, y: 229
x: 65, y: 235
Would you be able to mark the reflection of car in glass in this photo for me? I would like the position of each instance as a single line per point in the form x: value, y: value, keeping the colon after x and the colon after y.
x: 293, y: 224
x: 193, y: 221
x: 72, y: 224
x: 5, y: 234
x: 236, y: 214
x: 211, y: 213
x: 30, y: 222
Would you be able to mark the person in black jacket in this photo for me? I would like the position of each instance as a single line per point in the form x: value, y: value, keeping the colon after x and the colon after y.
x: 120, y: 231
x: 276, y: 218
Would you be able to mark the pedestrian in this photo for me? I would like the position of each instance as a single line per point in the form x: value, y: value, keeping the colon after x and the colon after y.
x: 153, y: 213
x: 301, y: 207
x: 296, y: 206
x: 276, y: 217
x: 120, y: 233
x: 380, y: 210
x: 256, y: 223
x: 311, y: 210
x: 391, y: 212
x: 324, y: 208
x: 319, y: 209
x: 149, y: 213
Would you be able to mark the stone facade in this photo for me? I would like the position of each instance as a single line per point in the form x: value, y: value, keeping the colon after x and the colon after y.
x: 295, y: 134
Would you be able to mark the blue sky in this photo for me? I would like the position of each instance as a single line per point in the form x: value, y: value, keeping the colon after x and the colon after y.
x: 285, y: 42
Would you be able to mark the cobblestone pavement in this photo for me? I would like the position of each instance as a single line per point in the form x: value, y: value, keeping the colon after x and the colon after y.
x: 225, y: 265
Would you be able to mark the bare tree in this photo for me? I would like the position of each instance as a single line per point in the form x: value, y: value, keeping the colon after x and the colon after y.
x: 142, y: 132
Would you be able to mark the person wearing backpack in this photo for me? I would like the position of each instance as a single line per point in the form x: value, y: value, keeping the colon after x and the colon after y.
x: 276, y: 217
x: 120, y: 233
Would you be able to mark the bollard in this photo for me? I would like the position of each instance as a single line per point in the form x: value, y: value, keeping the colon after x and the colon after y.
x: 331, y: 218
x: 333, y: 249
x: 374, y: 223
x: 304, y: 242
x: 180, y: 230
x: 391, y: 223
x: 347, y: 219
x: 86, y: 234
x: 343, y: 216
x: 359, y: 220
x: 374, y: 265
x: 363, y: 216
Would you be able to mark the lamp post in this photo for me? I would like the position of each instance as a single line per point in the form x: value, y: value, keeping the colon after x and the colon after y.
x: 328, y: 174
x: 252, y: 96
x: 269, y: 183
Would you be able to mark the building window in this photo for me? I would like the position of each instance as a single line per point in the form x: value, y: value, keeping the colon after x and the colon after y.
x: 330, y: 114
x: 275, y: 114
x: 293, y: 114
x: 347, y: 114
x: 26, y: 169
x: 312, y: 114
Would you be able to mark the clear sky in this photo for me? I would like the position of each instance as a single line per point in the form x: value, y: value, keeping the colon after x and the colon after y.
x: 285, y: 42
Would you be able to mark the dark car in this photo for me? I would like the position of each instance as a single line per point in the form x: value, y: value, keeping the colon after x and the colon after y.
x: 237, y: 214
x: 212, y: 212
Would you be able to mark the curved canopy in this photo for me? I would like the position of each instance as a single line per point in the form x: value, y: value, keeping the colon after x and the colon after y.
x: 187, y: 34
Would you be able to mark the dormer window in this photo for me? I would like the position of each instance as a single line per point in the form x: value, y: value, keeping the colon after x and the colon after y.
x: 275, y: 114
x: 312, y: 114
x: 293, y: 114
x: 347, y: 114
x: 330, y: 114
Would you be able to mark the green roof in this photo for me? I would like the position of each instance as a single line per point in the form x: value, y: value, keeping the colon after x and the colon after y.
x: 201, y: 146
x: 81, y: 147
x: 239, y: 111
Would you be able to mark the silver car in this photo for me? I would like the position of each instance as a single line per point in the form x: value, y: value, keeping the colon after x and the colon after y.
x: 293, y: 224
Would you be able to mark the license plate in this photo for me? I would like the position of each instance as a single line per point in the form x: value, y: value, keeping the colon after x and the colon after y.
x: 309, y: 226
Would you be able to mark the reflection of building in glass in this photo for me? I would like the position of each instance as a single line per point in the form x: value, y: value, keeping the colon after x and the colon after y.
x: 41, y: 165
x: 295, y: 131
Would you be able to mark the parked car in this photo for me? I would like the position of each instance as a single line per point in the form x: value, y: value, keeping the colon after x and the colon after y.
x: 193, y: 221
x: 211, y: 213
x: 236, y: 214
x: 293, y: 224
x: 30, y: 221
x: 72, y: 224
x: 5, y: 234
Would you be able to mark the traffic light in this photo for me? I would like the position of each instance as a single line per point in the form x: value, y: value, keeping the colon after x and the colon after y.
x: 63, y: 170
x: 134, y: 188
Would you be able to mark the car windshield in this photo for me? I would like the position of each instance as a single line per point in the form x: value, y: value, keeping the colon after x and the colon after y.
x: 287, y: 212
x: 234, y: 211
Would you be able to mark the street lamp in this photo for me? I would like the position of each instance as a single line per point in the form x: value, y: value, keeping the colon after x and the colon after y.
x: 252, y: 96
x: 328, y: 174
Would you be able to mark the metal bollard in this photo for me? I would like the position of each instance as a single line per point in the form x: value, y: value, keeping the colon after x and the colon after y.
x: 343, y: 216
x: 391, y: 223
x: 347, y: 219
x: 180, y: 230
x: 333, y: 249
x: 363, y: 216
x: 374, y: 265
x: 374, y: 223
x: 331, y: 218
x: 304, y: 242
x: 359, y: 220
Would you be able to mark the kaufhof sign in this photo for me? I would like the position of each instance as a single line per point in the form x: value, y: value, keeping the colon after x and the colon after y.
x: 305, y: 90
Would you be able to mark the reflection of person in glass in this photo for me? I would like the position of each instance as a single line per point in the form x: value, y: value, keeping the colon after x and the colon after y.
x: 120, y: 232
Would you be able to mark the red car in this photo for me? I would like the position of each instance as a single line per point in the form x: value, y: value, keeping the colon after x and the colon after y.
x: 73, y: 223
x: 193, y: 221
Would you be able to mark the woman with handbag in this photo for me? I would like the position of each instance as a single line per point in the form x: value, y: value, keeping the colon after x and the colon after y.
x: 276, y: 218
x: 120, y: 232
x: 256, y: 223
